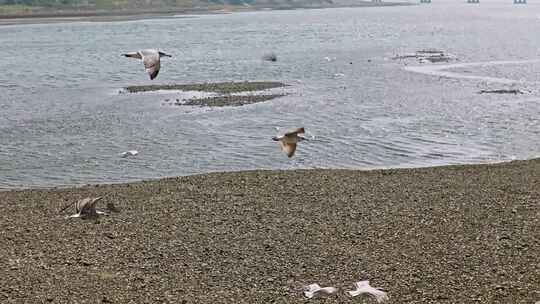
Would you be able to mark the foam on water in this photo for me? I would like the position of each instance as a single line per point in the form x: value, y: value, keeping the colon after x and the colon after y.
x: 441, y: 70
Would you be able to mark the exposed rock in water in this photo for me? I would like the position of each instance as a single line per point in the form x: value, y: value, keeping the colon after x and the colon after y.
x: 221, y: 94
x: 218, y: 87
x: 228, y: 100
x: 430, y: 51
x: 434, y: 59
x: 428, y: 55
x: 502, y: 91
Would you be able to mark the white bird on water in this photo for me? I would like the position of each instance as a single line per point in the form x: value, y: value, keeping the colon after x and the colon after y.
x: 289, y: 140
x: 129, y: 153
x: 314, y: 289
x: 364, y: 287
x: 151, y: 60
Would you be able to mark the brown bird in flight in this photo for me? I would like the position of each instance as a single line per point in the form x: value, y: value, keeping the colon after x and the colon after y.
x: 289, y: 140
x: 151, y: 60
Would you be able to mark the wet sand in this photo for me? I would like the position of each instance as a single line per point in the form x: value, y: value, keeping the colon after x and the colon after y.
x: 454, y: 234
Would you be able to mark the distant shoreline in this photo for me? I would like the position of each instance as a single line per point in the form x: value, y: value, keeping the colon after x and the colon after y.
x: 91, y: 15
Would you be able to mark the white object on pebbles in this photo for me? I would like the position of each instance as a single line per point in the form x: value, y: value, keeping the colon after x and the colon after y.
x: 86, y: 208
x: 364, y: 287
x: 129, y: 153
x: 313, y: 290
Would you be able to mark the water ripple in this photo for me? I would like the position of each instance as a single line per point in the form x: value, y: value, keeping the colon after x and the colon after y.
x: 63, y: 122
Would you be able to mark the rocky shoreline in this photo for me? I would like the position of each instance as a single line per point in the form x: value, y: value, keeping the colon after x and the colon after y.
x: 453, y: 234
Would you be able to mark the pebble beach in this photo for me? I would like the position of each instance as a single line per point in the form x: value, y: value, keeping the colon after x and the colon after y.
x: 453, y: 234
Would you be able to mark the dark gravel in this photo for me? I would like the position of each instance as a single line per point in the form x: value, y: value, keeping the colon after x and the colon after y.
x: 458, y: 234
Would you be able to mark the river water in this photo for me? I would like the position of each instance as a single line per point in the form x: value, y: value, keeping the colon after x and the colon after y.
x: 64, y: 120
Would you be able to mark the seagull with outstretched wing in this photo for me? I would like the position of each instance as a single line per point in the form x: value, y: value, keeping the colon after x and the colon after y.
x: 151, y: 60
x: 289, y: 140
x: 86, y: 208
x: 314, y: 289
x: 364, y: 287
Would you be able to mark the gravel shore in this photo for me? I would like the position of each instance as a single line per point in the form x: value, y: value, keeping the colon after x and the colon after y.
x: 455, y: 234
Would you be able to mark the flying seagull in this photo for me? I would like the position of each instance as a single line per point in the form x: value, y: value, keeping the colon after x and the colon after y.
x: 86, y: 208
x: 364, y: 287
x: 289, y: 140
x: 315, y: 290
x: 150, y: 58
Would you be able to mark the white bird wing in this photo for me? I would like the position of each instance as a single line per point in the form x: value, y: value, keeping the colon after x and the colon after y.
x: 129, y: 153
x: 364, y: 287
x: 313, y: 289
x: 82, y: 204
x: 361, y: 284
x: 295, y: 132
x: 90, y: 207
x: 150, y: 58
x: 86, y: 207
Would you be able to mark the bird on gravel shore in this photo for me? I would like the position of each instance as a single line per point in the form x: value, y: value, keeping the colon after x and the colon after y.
x: 289, y: 140
x: 151, y: 60
x: 313, y: 290
x: 364, y: 287
x: 86, y: 208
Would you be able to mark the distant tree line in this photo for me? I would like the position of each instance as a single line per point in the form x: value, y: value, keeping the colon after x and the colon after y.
x: 118, y: 2
x: 45, y: 2
x: 147, y: 3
